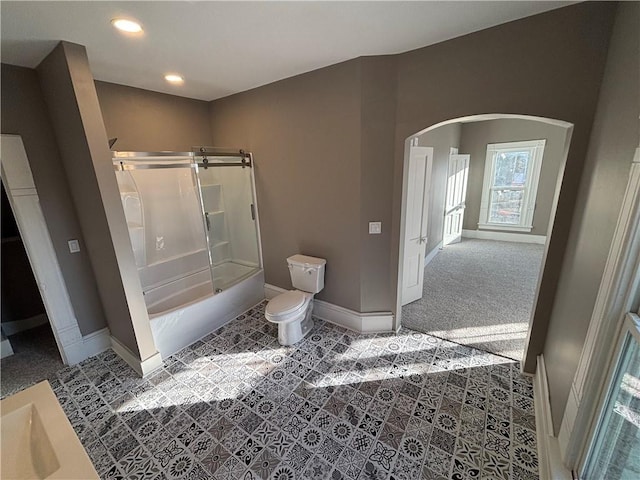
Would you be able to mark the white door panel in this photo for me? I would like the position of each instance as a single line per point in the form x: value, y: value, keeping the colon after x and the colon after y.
x: 457, y: 178
x: 418, y: 188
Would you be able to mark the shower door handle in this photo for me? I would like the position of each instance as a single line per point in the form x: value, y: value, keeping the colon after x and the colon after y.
x: 253, y: 211
x: 206, y: 217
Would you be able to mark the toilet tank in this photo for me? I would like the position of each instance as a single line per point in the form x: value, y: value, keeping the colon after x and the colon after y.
x: 307, y: 273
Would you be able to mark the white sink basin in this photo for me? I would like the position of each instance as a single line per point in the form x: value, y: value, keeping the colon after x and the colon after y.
x: 37, y: 439
x: 26, y: 449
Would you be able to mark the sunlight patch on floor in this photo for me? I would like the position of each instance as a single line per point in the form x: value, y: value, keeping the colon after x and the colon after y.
x: 491, y: 333
x: 237, y: 374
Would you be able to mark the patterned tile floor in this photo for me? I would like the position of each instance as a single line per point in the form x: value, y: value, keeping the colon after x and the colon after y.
x: 237, y: 405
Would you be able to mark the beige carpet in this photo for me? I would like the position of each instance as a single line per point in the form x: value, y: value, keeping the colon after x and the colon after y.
x: 479, y: 293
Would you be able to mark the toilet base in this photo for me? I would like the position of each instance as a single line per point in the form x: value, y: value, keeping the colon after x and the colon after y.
x: 290, y: 333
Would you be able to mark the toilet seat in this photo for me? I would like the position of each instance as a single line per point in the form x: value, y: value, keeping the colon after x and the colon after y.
x: 288, y: 306
x: 291, y: 311
x: 285, y: 303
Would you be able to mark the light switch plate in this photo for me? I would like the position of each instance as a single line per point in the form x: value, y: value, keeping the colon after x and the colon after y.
x: 375, y: 228
x: 74, y: 246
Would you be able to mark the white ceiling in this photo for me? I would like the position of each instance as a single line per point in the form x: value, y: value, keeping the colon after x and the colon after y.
x: 226, y: 47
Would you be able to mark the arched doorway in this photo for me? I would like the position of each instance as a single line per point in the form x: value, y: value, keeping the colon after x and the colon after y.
x: 531, y: 221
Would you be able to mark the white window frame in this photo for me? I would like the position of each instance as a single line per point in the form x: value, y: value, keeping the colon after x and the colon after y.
x: 530, y: 188
x: 629, y: 335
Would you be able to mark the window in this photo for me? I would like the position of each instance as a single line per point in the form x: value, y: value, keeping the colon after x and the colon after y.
x: 511, y: 176
x: 615, y: 452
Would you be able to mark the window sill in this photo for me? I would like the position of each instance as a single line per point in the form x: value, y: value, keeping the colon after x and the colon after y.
x: 506, y: 228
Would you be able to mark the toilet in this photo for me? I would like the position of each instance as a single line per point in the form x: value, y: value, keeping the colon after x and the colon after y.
x: 291, y: 311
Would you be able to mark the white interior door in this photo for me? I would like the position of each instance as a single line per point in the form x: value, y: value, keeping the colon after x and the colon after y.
x: 418, y: 188
x: 457, y: 177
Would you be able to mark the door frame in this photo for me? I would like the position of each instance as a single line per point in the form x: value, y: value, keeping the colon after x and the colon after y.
x: 25, y: 204
x: 397, y: 318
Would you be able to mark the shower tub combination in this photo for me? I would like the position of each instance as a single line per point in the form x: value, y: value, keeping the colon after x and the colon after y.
x: 193, y: 223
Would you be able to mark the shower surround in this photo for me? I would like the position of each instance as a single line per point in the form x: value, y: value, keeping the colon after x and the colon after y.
x: 193, y: 224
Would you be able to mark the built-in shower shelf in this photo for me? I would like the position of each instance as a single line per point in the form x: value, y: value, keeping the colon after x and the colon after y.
x: 219, y: 251
x: 133, y: 225
x: 217, y: 228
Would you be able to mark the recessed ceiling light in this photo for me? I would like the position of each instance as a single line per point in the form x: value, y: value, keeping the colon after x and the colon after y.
x: 173, y: 78
x: 129, y: 26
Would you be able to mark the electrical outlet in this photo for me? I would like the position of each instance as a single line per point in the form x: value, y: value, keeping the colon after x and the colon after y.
x: 375, y: 228
x: 74, y: 246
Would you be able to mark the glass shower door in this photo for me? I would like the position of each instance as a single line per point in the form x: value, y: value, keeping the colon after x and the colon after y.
x: 226, y: 186
x: 162, y: 206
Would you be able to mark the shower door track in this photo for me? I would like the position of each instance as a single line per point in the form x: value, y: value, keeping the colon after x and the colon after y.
x: 224, y: 164
x: 124, y: 167
x: 123, y: 159
x: 121, y: 166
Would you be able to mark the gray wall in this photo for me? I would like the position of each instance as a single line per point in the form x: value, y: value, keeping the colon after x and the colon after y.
x: 69, y: 93
x: 24, y: 114
x: 550, y: 66
x: 304, y: 132
x: 377, y: 122
x: 146, y: 121
x: 474, y: 140
x: 611, y: 148
x: 442, y: 139
x: 315, y: 190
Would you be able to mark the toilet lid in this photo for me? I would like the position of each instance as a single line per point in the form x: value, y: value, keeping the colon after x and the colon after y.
x: 285, y: 303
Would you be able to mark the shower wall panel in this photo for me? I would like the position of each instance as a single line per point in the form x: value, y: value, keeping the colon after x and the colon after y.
x: 163, y: 214
x: 227, y: 195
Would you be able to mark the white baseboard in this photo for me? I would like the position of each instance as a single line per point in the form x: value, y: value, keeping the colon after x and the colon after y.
x: 126, y: 354
x: 568, y: 421
x: 76, y: 348
x: 97, y: 342
x: 74, y: 352
x: 375, y: 322
x: 87, y: 346
x: 505, y: 236
x: 17, y: 326
x: 151, y: 364
x: 542, y: 383
x: 143, y: 367
x: 5, y: 348
x: 432, y: 254
x: 271, y: 291
x: 550, y: 466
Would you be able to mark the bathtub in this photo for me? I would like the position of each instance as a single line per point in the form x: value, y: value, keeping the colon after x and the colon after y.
x: 189, y: 287
x: 188, y: 309
x: 180, y: 292
x: 229, y: 273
